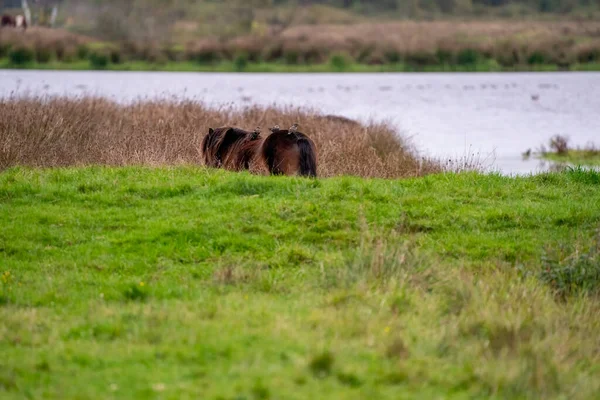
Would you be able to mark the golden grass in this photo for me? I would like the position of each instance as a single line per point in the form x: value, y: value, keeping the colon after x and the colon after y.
x: 58, y: 132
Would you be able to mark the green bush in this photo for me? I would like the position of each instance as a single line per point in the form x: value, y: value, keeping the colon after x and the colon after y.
x: 569, y: 271
x: 21, y: 55
x: 99, y: 60
x: 393, y: 56
x: 339, y: 62
x: 444, y: 57
x: 240, y: 62
x: 115, y: 56
x: 580, y: 271
x: 536, y: 58
x: 467, y: 57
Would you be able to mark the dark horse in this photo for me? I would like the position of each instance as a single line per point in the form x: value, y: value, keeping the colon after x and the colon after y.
x: 224, y: 147
x: 8, y: 20
x: 285, y: 152
x: 289, y: 152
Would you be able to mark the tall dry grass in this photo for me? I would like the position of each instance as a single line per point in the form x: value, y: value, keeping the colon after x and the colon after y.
x: 53, y: 132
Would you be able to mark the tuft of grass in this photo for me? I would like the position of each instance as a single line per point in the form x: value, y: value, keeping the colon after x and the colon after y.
x: 339, y: 62
x: 240, y: 62
x: 99, y: 59
x: 321, y: 364
x: 135, y: 292
x: 571, y: 272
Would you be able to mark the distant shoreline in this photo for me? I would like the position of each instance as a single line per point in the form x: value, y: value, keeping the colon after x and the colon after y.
x: 189, y: 66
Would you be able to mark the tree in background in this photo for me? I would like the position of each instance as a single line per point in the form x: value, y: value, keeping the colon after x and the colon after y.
x: 45, y: 11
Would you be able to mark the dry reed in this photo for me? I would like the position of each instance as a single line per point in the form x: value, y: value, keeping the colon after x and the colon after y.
x: 55, y: 132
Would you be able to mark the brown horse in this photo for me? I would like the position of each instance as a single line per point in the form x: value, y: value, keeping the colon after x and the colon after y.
x: 289, y: 152
x: 228, y: 147
x: 8, y: 20
x: 285, y: 152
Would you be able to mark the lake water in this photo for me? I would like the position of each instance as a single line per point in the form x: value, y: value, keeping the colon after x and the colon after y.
x: 495, y: 116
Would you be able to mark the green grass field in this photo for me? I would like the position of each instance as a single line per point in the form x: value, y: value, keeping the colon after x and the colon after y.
x: 188, y: 283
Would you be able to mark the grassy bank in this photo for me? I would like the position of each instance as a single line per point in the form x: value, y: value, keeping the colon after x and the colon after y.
x: 367, y: 46
x: 181, y: 282
x: 187, y: 66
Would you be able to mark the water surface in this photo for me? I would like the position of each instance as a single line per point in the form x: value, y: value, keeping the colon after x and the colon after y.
x: 493, y: 117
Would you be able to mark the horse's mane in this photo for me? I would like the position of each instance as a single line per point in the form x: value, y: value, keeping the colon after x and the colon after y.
x: 211, y: 144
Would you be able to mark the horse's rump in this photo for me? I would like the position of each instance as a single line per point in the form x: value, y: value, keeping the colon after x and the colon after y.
x: 290, y: 154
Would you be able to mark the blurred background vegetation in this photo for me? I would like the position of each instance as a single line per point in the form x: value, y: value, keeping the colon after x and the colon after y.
x: 416, y: 33
x: 143, y: 19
